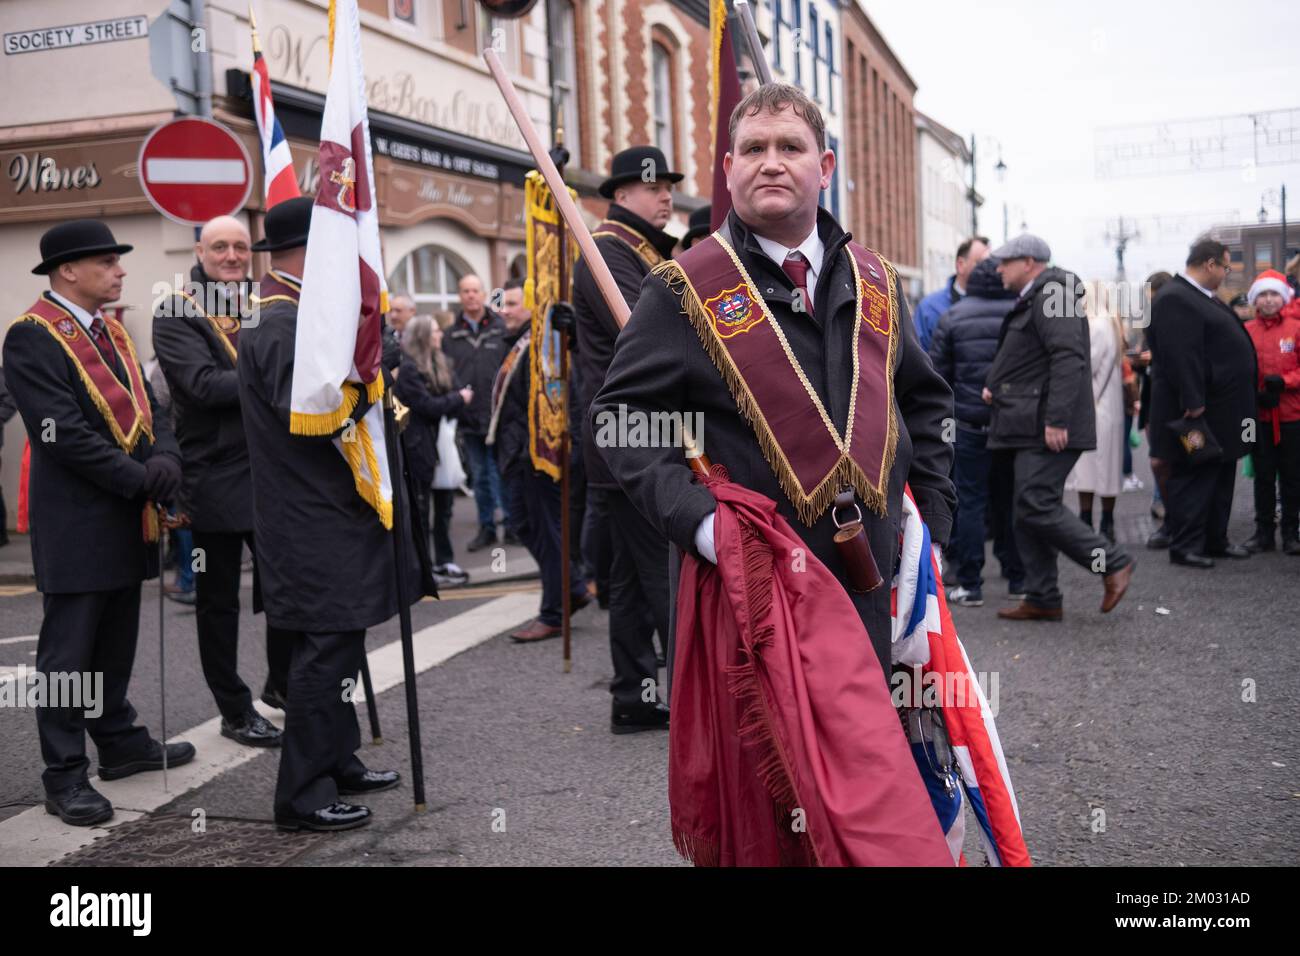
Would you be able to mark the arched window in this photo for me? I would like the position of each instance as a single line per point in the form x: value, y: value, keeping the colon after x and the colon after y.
x: 430, y: 275
x: 661, y: 64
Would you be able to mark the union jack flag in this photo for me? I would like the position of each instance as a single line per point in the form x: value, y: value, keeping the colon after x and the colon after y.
x: 277, y: 164
x: 925, y: 637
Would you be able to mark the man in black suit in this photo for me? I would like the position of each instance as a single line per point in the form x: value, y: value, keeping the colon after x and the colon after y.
x: 803, y: 267
x: 325, y: 559
x: 632, y: 241
x: 1203, y: 368
x: 196, y: 339
x: 100, y: 460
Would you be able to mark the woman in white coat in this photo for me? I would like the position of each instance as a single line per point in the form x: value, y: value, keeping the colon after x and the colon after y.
x: 1100, y: 472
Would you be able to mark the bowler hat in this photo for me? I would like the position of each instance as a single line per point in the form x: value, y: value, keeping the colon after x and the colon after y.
x: 697, y: 227
x: 287, y: 224
x: 634, y: 164
x: 78, y: 239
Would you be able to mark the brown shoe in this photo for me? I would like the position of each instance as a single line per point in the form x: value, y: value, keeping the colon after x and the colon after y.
x: 1116, y: 584
x: 1024, y: 611
x: 533, y: 631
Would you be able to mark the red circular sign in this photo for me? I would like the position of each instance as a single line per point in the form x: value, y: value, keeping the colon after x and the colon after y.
x: 194, y: 169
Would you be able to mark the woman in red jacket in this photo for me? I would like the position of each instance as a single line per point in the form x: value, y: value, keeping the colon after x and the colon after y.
x: 1275, y: 330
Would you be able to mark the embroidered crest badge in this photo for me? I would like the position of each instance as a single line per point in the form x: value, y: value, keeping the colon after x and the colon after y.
x: 67, y: 328
x: 875, y: 307
x: 733, y: 312
x: 1287, y: 346
x: 1193, y: 441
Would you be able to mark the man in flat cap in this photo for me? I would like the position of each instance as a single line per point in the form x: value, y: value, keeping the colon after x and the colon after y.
x: 632, y: 242
x: 1040, y: 390
x: 325, y: 561
x: 196, y: 338
x: 101, y: 462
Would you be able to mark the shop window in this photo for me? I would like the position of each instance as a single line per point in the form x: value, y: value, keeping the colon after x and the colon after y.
x: 404, y: 12
x: 429, y: 275
x: 458, y: 26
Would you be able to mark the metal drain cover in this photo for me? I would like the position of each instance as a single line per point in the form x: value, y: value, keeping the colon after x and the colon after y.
x: 168, y: 840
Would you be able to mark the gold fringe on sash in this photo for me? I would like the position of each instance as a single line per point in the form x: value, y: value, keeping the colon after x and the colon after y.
x: 810, y: 506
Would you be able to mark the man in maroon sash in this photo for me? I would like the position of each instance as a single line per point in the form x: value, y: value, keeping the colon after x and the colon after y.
x: 196, y: 339
x: 100, y: 458
x: 632, y: 242
x: 764, y: 329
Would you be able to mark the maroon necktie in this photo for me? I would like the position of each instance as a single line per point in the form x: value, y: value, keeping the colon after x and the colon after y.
x: 99, y: 335
x: 796, y: 267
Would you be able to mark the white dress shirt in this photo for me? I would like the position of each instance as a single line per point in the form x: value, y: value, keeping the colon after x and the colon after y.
x: 1209, y: 292
x: 812, y: 249
x: 78, y: 313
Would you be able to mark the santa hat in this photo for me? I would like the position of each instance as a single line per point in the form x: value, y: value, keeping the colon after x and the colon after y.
x: 1270, y: 280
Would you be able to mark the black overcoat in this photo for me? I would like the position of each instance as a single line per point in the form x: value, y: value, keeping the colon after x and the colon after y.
x: 85, y: 494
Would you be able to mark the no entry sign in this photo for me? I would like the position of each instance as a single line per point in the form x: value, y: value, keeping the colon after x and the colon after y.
x: 194, y: 169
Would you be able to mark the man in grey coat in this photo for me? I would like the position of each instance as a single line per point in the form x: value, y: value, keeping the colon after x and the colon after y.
x: 1040, y: 390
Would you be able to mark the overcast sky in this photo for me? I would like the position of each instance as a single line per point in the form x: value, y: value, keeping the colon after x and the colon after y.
x: 1041, y: 76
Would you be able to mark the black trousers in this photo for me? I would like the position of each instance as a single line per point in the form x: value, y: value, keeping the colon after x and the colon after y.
x: 1198, y: 505
x: 596, y: 544
x: 89, y: 633
x: 1273, y: 462
x: 321, y: 733
x: 444, y: 499
x: 534, y: 503
x: 1045, y: 527
x: 638, y: 598
x: 217, y: 616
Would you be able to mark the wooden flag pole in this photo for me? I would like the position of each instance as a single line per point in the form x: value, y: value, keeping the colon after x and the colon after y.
x: 750, y: 29
x: 609, y: 290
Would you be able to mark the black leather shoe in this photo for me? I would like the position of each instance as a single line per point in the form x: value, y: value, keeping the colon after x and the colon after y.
x: 1190, y: 560
x: 272, y: 697
x: 1159, y: 539
x: 79, y: 805
x: 371, y: 781
x: 1261, y: 541
x: 485, y: 538
x: 1229, y: 551
x: 252, y: 730
x: 509, y: 537
x: 631, y: 719
x: 177, y: 754
x: 337, y: 816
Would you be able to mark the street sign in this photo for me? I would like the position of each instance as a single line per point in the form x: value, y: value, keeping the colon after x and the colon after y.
x: 194, y: 169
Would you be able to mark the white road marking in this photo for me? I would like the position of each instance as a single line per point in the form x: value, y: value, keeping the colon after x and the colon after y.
x: 19, y: 640
x: 36, y: 838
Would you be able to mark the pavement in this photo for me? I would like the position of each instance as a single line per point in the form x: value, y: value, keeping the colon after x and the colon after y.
x: 1162, y: 733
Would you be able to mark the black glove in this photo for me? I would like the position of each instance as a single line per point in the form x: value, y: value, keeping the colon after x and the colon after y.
x: 564, y: 320
x: 561, y: 317
x: 1268, y: 400
x: 1274, y: 384
x: 162, y: 478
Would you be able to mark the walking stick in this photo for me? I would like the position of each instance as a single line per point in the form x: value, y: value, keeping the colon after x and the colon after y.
x: 397, y: 477
x: 162, y: 644
x: 377, y: 738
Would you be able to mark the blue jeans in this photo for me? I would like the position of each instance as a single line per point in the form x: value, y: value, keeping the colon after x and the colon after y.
x: 972, y: 467
x: 487, y: 482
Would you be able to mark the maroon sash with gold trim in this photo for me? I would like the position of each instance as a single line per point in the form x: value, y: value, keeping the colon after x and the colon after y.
x: 275, y: 287
x: 226, y: 327
x: 642, y: 246
x: 126, y: 411
x: 809, y: 456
